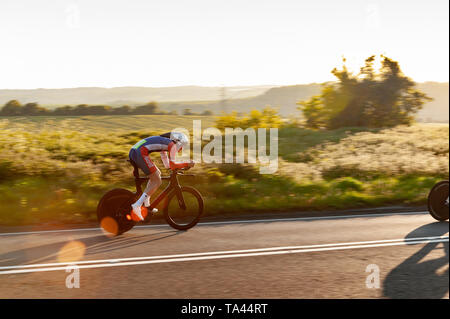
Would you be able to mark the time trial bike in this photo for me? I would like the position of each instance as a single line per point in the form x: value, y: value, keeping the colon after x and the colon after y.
x: 182, y: 205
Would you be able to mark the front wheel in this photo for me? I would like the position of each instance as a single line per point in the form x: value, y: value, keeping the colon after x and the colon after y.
x: 184, y: 208
x: 438, y: 201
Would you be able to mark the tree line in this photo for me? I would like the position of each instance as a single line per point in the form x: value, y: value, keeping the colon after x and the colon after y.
x: 15, y: 108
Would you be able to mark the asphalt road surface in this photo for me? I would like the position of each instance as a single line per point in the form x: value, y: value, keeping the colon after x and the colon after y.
x: 388, y: 255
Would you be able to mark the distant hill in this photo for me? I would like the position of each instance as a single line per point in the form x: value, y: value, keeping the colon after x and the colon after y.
x: 119, y: 96
x: 216, y: 99
x: 283, y: 97
x: 286, y: 97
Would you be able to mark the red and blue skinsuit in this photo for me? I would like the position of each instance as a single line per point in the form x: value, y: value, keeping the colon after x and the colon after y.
x: 140, y: 152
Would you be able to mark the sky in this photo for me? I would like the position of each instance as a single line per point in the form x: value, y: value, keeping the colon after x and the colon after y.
x: 110, y: 43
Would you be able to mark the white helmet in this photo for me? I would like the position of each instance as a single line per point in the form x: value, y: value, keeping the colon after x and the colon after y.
x: 180, y: 139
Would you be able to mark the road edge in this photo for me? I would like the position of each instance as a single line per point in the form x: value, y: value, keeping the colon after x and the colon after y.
x: 230, y: 217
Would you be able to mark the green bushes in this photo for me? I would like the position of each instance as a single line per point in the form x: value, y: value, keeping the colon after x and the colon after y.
x: 267, y: 118
x: 348, y: 183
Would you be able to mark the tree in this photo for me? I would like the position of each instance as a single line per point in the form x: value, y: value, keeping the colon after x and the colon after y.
x: 149, y: 108
x: 81, y: 109
x: 64, y: 110
x: 32, y: 109
x: 123, y: 110
x: 12, y: 108
x: 372, y: 99
x: 98, y: 109
x: 313, y: 112
x: 270, y: 117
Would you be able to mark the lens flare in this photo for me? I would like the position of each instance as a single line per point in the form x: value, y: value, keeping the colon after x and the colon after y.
x: 109, y: 226
x: 71, y: 252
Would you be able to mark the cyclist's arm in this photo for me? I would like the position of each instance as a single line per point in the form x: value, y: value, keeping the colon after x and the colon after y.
x: 165, y: 159
x: 172, y: 154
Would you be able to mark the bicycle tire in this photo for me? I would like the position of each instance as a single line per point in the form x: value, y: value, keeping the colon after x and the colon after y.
x: 436, y: 201
x: 198, y: 214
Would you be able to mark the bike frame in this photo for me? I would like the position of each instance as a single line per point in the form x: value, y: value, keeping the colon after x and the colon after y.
x: 173, y: 185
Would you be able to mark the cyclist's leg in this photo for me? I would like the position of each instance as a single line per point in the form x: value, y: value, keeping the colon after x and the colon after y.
x: 154, y: 174
x: 145, y: 166
x: 154, y: 181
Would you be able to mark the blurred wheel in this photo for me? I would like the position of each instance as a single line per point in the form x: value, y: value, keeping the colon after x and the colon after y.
x: 113, y: 209
x: 183, y: 210
x: 438, y: 201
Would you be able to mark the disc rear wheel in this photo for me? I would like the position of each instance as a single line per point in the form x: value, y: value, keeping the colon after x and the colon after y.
x: 112, y: 210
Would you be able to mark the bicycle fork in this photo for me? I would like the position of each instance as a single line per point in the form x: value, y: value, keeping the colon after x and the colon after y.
x: 180, y: 198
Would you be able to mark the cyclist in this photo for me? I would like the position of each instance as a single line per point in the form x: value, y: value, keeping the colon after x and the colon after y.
x: 171, y: 143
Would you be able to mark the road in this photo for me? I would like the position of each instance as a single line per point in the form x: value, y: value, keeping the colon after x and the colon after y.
x: 323, y: 257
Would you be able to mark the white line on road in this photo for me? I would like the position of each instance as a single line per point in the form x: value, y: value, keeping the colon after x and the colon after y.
x: 308, y: 218
x: 120, y: 262
x: 221, y: 252
x: 223, y: 222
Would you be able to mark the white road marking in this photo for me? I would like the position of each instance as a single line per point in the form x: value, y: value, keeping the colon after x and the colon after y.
x: 121, y: 262
x: 222, y: 222
x: 221, y: 252
x: 308, y: 218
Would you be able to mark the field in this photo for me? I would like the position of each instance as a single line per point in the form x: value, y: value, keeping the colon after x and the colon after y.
x: 55, y: 169
x: 102, y: 124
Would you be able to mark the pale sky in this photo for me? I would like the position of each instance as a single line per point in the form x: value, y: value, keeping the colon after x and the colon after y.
x: 108, y: 43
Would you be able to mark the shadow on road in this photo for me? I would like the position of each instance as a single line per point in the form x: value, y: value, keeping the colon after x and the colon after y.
x: 91, y: 245
x: 418, y: 276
